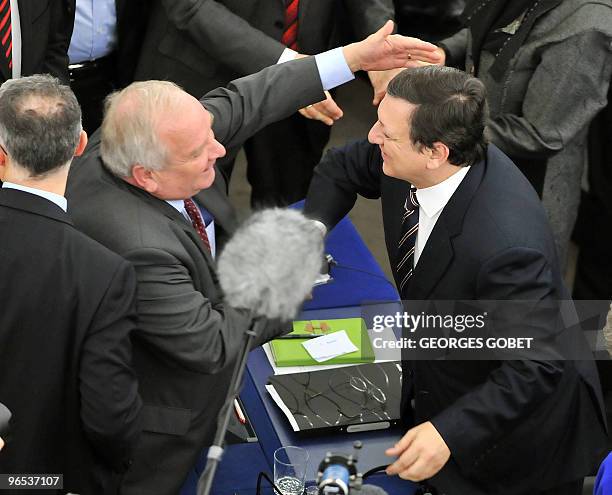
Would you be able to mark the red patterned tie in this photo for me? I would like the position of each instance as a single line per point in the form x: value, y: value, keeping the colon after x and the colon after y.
x: 290, y: 34
x: 196, y: 219
x: 5, y: 33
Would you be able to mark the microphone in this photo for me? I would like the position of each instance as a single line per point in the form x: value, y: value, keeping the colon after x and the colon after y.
x: 270, y: 264
x: 5, y: 417
x: 268, y: 268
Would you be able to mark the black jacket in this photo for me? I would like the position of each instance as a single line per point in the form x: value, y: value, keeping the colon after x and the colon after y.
x: 65, y: 353
x: 512, y: 426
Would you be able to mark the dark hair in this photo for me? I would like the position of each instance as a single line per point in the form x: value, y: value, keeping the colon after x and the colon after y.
x: 451, y: 108
x: 40, y: 123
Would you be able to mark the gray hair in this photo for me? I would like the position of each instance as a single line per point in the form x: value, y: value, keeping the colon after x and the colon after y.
x: 40, y: 123
x: 129, y: 129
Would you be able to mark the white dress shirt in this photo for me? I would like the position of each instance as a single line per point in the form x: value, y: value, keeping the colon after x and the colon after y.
x: 331, y: 64
x: 16, y: 39
x: 432, y: 201
x: 54, y: 198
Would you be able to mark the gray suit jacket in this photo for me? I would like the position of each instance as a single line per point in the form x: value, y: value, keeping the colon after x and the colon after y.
x: 553, y: 87
x: 202, y: 45
x: 186, y: 333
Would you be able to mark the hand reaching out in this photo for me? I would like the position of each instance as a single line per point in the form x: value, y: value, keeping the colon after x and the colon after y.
x: 421, y: 452
x: 327, y: 111
x: 383, y: 50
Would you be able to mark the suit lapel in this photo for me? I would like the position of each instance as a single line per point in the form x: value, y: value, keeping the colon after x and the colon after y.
x: 438, y: 252
x: 214, y: 199
x: 167, y: 210
x: 432, y: 264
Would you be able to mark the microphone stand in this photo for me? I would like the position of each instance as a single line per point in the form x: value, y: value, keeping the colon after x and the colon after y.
x: 215, y: 451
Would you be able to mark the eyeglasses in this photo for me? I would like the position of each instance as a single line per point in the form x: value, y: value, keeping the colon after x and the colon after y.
x: 341, y: 396
x: 356, y: 388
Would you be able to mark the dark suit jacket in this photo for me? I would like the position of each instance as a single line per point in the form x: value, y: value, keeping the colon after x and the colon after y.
x: 65, y: 354
x: 46, y: 28
x: 132, y: 18
x: 205, y: 45
x: 511, y: 426
x: 186, y: 332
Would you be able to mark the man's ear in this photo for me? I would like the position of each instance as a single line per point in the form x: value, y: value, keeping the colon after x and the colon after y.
x: 82, y: 144
x: 437, y: 155
x: 143, y: 178
x: 3, y: 158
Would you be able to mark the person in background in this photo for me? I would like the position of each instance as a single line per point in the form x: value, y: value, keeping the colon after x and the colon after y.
x: 34, y: 38
x: 103, y: 51
x: 546, y: 65
x: 204, y: 46
x: 68, y: 306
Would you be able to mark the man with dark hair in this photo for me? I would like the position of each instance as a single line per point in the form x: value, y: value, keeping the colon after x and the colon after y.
x: 450, y: 204
x: 68, y: 306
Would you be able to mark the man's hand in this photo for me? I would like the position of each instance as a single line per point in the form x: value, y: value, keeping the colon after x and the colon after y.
x: 327, y: 111
x: 383, y: 50
x: 380, y: 79
x: 1, y: 443
x: 421, y: 453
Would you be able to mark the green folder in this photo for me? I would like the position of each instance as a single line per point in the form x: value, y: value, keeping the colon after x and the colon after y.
x: 292, y: 353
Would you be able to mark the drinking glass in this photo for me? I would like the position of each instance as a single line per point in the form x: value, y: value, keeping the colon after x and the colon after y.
x: 290, y: 465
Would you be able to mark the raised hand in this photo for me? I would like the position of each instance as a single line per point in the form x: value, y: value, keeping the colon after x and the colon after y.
x: 383, y: 50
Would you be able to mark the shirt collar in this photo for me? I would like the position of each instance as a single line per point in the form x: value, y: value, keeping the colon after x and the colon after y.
x: 54, y: 198
x: 433, y: 199
x: 177, y: 204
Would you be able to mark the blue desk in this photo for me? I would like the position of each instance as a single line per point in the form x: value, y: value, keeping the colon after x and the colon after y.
x: 358, y: 278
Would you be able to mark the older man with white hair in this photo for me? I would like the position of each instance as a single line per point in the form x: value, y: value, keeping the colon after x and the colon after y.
x: 150, y: 192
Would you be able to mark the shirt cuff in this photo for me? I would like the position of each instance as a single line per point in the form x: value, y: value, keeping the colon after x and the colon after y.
x: 333, y: 68
x: 288, y: 54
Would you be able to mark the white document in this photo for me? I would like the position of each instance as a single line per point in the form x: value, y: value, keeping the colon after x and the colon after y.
x: 279, y: 402
x: 329, y: 346
x: 381, y: 356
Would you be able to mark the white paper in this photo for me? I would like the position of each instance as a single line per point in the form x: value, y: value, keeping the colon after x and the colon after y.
x: 381, y: 356
x: 329, y: 346
x: 279, y: 402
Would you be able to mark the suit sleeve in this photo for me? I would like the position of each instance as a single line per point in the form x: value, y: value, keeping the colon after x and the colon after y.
x: 574, y: 74
x: 252, y: 102
x: 180, y: 322
x: 455, y: 48
x: 110, y: 404
x: 369, y: 16
x: 475, y: 423
x: 224, y: 35
x: 60, y: 32
x: 342, y: 174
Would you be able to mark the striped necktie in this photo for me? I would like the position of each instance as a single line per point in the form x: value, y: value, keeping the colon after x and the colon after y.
x: 196, y: 219
x: 6, y: 36
x: 290, y: 34
x: 407, y: 242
